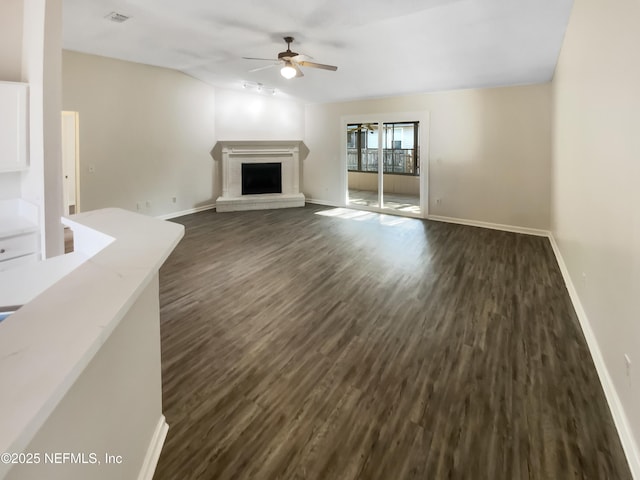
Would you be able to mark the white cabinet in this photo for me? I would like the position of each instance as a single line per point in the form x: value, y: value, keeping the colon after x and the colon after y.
x: 18, y: 250
x: 19, y: 233
x: 13, y: 126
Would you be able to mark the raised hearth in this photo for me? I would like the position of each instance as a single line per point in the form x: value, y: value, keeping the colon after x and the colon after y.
x: 255, y: 157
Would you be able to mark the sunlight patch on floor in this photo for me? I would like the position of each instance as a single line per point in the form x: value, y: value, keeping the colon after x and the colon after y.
x: 392, y: 201
x: 347, y: 214
x: 361, y: 216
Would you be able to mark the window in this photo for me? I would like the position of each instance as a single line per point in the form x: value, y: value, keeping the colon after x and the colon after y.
x: 400, y: 148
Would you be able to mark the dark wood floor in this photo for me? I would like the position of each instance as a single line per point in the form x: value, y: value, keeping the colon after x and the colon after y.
x: 302, y: 346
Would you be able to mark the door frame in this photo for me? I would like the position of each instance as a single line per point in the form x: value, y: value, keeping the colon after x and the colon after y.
x: 422, y: 116
x: 67, y: 113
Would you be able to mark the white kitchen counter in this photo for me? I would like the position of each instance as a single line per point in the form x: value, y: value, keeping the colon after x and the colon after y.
x: 19, y: 286
x: 74, y: 303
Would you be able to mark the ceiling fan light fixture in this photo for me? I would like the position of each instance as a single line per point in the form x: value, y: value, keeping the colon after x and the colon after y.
x: 288, y: 71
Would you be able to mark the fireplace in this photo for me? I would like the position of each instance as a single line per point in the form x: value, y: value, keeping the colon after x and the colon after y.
x: 258, y: 178
x: 259, y: 175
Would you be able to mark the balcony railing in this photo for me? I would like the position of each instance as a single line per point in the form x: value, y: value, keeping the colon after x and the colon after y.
x: 396, y: 161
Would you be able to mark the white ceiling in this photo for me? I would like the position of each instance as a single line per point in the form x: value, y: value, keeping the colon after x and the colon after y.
x: 381, y: 47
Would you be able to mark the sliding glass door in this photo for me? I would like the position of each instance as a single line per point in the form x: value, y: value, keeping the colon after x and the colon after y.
x: 383, y: 166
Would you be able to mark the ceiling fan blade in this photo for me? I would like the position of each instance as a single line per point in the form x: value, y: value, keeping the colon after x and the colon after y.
x: 262, y: 68
x: 267, y: 59
x: 297, y: 69
x: 318, y: 65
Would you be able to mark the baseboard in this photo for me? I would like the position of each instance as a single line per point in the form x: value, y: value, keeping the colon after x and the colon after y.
x: 323, y: 202
x: 186, y: 212
x: 619, y: 417
x: 153, y: 452
x: 493, y: 226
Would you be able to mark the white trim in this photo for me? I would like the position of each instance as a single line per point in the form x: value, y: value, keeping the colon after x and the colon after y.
x: 168, y: 216
x: 153, y: 452
x: 259, y: 151
x: 76, y: 136
x: 493, y: 226
x: 615, y: 405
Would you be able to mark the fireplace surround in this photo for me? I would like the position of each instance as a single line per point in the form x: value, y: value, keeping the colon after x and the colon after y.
x: 232, y: 155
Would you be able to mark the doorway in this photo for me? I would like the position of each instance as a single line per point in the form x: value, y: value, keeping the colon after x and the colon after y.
x: 70, y: 163
x: 384, y: 158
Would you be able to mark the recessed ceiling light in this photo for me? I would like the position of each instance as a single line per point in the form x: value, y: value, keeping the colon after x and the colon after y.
x: 117, y: 17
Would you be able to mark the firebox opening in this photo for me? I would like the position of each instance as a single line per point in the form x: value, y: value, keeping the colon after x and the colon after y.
x: 260, y: 178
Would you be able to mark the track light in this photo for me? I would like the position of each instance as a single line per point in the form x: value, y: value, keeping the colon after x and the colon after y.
x: 258, y: 87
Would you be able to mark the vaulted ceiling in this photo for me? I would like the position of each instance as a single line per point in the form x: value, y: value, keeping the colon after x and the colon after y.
x: 381, y: 47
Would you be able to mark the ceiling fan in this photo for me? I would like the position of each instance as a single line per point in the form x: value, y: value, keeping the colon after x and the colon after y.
x: 363, y: 127
x: 291, y: 62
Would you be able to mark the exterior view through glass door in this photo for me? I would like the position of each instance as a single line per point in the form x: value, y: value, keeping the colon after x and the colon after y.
x: 362, y: 164
x: 392, y: 184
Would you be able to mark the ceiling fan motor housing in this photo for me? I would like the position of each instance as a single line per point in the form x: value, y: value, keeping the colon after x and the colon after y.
x: 287, y: 54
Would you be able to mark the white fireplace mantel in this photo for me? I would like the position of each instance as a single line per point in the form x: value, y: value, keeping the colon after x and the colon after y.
x: 232, y: 154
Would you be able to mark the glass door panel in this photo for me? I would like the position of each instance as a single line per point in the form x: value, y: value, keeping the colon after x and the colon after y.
x: 362, y: 164
x: 401, y: 167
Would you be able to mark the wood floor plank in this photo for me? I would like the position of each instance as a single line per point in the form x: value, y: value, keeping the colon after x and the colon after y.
x: 315, y: 343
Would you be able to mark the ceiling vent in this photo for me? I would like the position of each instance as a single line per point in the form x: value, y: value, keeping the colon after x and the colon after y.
x: 117, y: 17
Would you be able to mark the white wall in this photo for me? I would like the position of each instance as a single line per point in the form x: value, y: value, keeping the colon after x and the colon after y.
x: 146, y: 132
x: 11, y: 40
x: 489, y: 151
x: 245, y: 115
x: 10, y: 70
x: 596, y: 178
x: 248, y: 115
